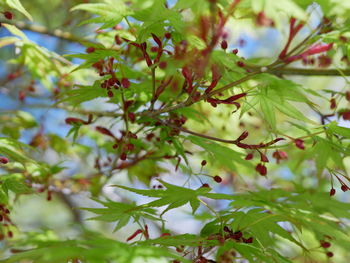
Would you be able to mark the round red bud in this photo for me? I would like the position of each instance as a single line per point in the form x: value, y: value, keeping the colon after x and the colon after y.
x: 299, y: 143
x: 204, y: 162
x: 224, y: 45
x: 123, y: 156
x: 162, y: 65
x: 330, y: 254
x: 8, y: 15
x: 110, y: 94
x: 261, y: 169
x: 4, y: 160
x: 217, y: 179
x: 332, y: 192
x: 90, y: 50
x: 125, y: 83
x: 240, y: 64
x: 325, y: 244
x: 167, y: 35
x: 344, y: 188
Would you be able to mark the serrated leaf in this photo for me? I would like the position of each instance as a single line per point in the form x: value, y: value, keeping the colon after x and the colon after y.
x: 16, y: 4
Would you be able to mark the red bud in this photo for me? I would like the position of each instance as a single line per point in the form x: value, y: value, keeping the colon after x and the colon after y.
x: 224, y: 44
x: 4, y: 160
x: 8, y: 15
x: 90, y: 50
x: 217, y: 179
x: 299, y: 143
x: 125, y: 83
x: 243, y: 136
x: 249, y: 156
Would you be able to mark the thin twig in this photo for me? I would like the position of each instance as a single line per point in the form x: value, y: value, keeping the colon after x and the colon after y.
x: 43, y: 30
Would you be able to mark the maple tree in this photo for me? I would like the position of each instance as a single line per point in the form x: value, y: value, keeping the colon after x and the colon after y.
x: 122, y: 118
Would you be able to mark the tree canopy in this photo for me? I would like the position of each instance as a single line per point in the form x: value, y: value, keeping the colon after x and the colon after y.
x: 174, y: 131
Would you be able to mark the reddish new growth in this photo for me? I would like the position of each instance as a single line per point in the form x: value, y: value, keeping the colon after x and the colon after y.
x: 137, y: 232
x: 293, y: 30
x: 263, y: 158
x: 167, y: 35
x: 263, y: 20
x: 319, y: 48
x: 72, y: 121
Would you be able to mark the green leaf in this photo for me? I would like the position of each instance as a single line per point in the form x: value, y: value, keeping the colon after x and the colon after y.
x: 110, y: 13
x: 173, y: 196
x: 225, y: 156
x: 121, y: 213
x: 16, y: 4
x: 268, y: 111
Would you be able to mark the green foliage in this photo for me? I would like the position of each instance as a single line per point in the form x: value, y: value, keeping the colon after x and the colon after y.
x: 171, y: 115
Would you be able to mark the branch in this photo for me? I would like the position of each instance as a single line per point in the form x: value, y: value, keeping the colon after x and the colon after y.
x: 76, y: 110
x: 313, y: 72
x: 43, y: 30
x: 77, y: 217
x: 237, y: 142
